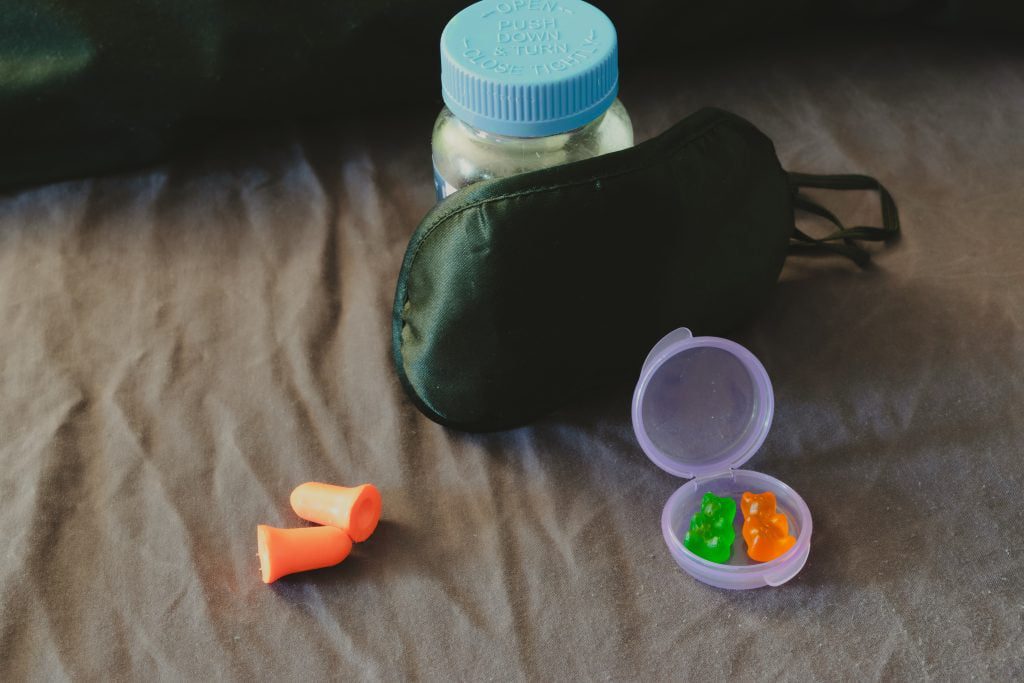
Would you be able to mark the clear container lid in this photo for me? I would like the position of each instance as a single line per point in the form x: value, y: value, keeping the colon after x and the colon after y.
x: 702, y: 406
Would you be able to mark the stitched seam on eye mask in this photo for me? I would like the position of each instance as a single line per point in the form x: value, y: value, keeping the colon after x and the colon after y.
x: 536, y: 190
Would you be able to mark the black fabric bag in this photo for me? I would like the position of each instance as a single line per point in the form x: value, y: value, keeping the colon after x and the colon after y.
x: 519, y: 294
x: 89, y: 87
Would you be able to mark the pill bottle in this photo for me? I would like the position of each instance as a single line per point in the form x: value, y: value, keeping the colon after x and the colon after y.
x: 527, y: 84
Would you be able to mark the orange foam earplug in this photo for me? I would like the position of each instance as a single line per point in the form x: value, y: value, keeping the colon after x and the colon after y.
x: 286, y: 551
x: 356, y: 509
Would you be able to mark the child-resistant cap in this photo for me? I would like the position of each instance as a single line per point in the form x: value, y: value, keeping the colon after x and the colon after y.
x: 529, y: 68
x: 702, y: 405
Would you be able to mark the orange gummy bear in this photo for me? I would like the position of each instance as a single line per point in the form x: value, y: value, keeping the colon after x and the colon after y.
x: 765, y: 530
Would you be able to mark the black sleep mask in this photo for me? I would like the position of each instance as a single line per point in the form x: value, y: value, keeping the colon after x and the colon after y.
x: 517, y: 295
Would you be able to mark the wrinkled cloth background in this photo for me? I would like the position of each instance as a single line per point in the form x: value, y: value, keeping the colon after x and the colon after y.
x: 181, y: 346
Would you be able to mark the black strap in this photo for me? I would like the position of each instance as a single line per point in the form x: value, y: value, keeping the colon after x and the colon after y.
x: 843, y: 241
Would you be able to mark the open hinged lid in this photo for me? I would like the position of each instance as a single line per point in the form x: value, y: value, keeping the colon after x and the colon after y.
x: 702, y: 406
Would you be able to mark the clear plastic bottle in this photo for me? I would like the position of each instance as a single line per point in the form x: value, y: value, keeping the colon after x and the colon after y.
x: 527, y: 84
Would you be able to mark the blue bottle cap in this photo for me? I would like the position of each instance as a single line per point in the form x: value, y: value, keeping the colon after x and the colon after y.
x: 529, y: 68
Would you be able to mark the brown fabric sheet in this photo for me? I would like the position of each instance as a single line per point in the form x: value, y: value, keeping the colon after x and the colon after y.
x: 181, y: 346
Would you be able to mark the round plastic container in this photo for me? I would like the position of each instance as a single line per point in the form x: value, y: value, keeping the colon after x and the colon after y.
x: 702, y: 408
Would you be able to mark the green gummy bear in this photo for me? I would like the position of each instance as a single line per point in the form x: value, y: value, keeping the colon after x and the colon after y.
x: 711, y: 532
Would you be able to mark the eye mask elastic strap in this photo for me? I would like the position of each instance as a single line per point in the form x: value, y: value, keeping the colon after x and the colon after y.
x: 844, y: 240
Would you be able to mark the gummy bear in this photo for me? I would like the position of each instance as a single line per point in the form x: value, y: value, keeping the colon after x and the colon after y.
x: 711, y: 533
x: 765, y: 530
